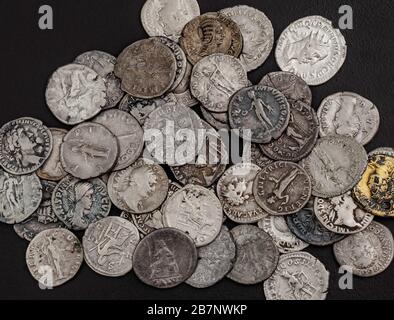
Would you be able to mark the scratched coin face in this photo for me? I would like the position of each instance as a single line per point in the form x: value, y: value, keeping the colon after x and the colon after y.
x: 109, y: 245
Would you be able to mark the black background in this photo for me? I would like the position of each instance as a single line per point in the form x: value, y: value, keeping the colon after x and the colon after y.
x: 29, y: 55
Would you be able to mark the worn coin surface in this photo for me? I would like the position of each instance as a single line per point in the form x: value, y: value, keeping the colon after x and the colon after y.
x: 235, y: 191
x: 282, y: 188
x: 262, y: 111
x: 78, y: 203
x: 128, y: 133
x: 103, y: 63
x: 341, y: 214
x: 257, y: 255
x: 388, y: 151
x: 292, y: 86
x: 208, y: 116
x: 54, y: 257
x: 75, y: 93
x: 109, y: 245
x: 184, y: 85
x: 368, y: 252
x: 349, y: 114
x: 25, y: 144
x: 168, y: 17
x: 253, y: 154
x: 257, y: 33
x: 20, y: 196
x: 89, y: 150
x: 214, y: 261
x: 215, y: 79
x: 140, y: 188
x: 284, y: 239
x: 299, y: 276
x: 147, y: 68
x: 211, y: 33
x: 196, y: 211
x: 312, y: 49
x: 165, y: 258
x: 335, y: 165
x: 299, y: 137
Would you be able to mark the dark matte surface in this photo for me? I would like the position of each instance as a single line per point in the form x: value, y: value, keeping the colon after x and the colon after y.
x: 29, y: 56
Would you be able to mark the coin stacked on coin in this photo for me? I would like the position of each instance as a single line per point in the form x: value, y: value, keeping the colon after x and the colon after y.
x: 304, y: 179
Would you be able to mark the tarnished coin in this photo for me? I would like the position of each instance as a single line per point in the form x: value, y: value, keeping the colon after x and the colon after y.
x: 299, y: 276
x: 168, y: 17
x: 211, y: 33
x: 375, y: 190
x: 52, y: 168
x: 184, y: 85
x: 253, y: 154
x: 147, y: 68
x: 20, y: 196
x: 75, y: 93
x: 388, y: 151
x: 262, y: 110
x: 208, y: 116
x: 220, y: 116
x: 367, y: 253
x: 284, y: 239
x: 341, y: 214
x: 214, y: 261
x: 43, y: 218
x: 88, y: 150
x: 186, y: 99
x: 312, y: 49
x: 79, y: 203
x: 140, y: 188
x: 349, y: 114
x: 196, y: 211
x: 257, y: 255
x: 282, y: 188
x: 128, y: 133
x: 103, y: 63
x: 308, y: 228
x: 235, y: 191
x: 299, y: 137
x: 257, y: 33
x: 215, y: 79
x: 292, y: 86
x: 335, y: 165
x: 54, y: 257
x: 165, y: 258
x: 25, y: 144
x: 109, y: 245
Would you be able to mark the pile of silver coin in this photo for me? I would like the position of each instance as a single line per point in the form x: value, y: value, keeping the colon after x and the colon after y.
x: 305, y: 178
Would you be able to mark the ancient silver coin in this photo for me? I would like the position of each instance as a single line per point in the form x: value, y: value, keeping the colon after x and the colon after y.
x: 292, y: 86
x: 257, y: 255
x: 140, y: 188
x: 312, y: 49
x: 214, y: 261
x: 349, y: 114
x: 284, y: 239
x: 20, y: 196
x: 253, y: 154
x: 78, y: 203
x: 220, y: 116
x: 52, y: 168
x: 367, y: 253
x: 104, y: 63
x: 89, y: 150
x: 128, y: 133
x: 208, y: 116
x: 215, y: 79
x: 168, y: 17
x: 263, y: 112
x: 186, y: 99
x: 54, y: 257
x: 388, y: 151
x: 165, y: 258
x: 282, y: 188
x: 75, y: 93
x: 299, y: 276
x: 25, y: 144
x: 184, y: 85
x: 257, y: 33
x: 235, y: 191
x: 335, y: 165
x: 109, y: 245
x: 341, y: 214
x: 196, y: 211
